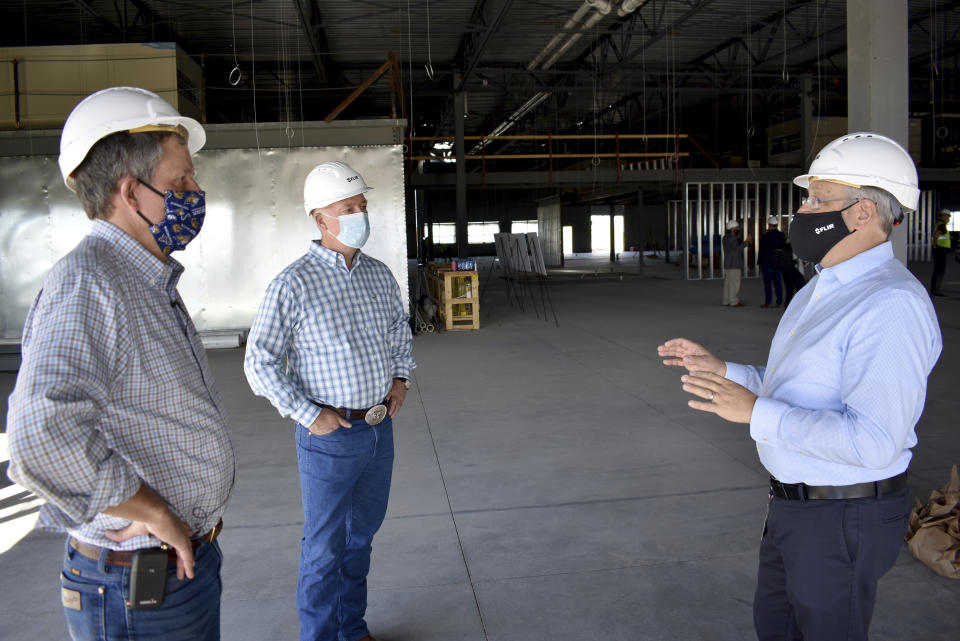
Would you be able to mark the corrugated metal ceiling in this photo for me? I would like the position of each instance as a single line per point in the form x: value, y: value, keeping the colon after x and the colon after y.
x: 669, y: 55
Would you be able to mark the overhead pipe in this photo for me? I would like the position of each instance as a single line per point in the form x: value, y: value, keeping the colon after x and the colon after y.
x: 602, y: 9
x: 570, y: 24
x: 629, y: 6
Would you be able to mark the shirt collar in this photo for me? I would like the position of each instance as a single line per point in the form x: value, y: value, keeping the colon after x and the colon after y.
x: 164, y: 274
x: 865, y: 261
x: 331, y: 258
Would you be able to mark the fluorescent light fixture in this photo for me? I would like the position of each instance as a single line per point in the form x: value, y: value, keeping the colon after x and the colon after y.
x: 519, y: 113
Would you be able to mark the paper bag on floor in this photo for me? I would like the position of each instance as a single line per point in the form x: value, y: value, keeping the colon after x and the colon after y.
x: 933, y: 535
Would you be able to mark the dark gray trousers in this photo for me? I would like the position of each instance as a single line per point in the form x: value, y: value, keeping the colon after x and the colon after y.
x: 820, y: 561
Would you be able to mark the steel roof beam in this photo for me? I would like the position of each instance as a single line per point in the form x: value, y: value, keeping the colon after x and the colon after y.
x: 308, y: 13
x: 474, y: 42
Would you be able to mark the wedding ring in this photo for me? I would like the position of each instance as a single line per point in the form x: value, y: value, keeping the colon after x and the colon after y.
x: 712, y: 394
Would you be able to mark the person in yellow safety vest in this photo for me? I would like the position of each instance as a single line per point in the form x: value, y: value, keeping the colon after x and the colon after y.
x: 941, y: 248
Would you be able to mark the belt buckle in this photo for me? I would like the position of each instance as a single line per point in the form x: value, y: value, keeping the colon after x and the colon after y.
x: 376, y: 414
x: 214, y: 531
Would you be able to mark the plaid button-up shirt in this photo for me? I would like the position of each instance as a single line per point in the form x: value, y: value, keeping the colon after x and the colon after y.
x: 344, y: 334
x: 115, y: 390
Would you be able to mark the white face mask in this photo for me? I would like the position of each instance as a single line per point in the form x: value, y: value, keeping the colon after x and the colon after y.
x: 354, y: 229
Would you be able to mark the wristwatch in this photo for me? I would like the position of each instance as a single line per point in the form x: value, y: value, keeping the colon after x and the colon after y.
x: 405, y: 381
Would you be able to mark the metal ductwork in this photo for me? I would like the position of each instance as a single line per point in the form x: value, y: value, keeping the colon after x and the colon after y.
x: 602, y: 8
x: 584, y: 9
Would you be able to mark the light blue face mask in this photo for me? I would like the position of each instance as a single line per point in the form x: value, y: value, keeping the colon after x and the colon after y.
x: 354, y: 229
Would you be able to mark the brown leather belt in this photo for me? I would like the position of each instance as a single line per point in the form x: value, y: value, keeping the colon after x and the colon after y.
x: 125, y: 557
x: 351, y: 415
x: 802, y: 491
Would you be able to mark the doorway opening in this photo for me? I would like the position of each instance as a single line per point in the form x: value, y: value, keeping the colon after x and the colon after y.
x: 600, y: 233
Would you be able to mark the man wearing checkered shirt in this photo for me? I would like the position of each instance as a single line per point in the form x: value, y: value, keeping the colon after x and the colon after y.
x: 115, y: 419
x: 330, y: 348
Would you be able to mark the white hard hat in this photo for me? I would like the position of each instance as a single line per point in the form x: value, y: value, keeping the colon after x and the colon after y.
x: 867, y: 159
x: 109, y: 111
x: 731, y: 224
x: 331, y: 182
x: 773, y: 220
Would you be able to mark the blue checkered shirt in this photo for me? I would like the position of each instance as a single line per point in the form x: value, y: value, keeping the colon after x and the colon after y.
x: 327, y: 334
x: 115, y: 390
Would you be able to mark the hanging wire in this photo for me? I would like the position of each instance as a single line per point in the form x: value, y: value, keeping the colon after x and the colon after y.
x: 300, y: 91
x: 820, y: 107
x: 253, y: 79
x: 597, y: 107
x: 643, y: 89
x: 410, y: 125
x: 285, y: 76
x: 936, y: 61
x: 429, y: 65
x: 279, y: 72
x: 784, y: 74
x: 235, y: 75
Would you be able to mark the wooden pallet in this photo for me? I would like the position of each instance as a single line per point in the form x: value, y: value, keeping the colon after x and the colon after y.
x: 459, y: 296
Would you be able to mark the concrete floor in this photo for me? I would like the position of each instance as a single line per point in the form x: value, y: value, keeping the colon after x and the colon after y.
x: 550, y: 484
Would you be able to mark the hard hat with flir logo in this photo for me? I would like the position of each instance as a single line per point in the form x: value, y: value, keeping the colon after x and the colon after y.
x: 331, y: 182
x: 866, y: 159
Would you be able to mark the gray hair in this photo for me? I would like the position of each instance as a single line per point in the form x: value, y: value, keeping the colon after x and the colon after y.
x: 112, y: 158
x: 888, y: 207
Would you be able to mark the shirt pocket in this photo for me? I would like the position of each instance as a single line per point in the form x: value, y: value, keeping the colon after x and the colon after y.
x: 377, y: 312
x: 326, y: 327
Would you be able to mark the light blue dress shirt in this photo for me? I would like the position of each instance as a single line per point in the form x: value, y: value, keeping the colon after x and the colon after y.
x: 846, y: 377
x: 328, y: 334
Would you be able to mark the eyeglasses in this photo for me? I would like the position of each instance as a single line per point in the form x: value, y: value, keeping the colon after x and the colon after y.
x: 814, y: 203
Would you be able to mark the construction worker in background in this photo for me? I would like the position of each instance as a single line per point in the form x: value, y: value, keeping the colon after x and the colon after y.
x: 834, y: 410
x: 733, y: 263
x: 115, y: 419
x: 941, y: 249
x: 771, y: 240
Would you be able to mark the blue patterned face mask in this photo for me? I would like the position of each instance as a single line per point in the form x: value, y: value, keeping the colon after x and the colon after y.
x: 183, y: 220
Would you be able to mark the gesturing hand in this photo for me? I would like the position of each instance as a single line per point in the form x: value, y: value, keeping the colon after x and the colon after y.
x: 682, y: 352
x: 726, y: 399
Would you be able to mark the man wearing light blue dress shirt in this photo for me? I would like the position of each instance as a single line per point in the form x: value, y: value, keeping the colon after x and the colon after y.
x: 330, y: 348
x: 833, y: 411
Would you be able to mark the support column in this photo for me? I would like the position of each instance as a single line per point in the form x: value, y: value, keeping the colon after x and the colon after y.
x: 613, y: 248
x: 641, y: 237
x: 877, y: 88
x: 460, y: 151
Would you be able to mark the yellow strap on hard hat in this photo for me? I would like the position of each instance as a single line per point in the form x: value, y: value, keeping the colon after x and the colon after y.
x: 833, y: 180
x: 180, y: 130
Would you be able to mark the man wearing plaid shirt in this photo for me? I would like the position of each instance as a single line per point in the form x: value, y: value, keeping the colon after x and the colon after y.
x: 330, y: 348
x: 115, y: 419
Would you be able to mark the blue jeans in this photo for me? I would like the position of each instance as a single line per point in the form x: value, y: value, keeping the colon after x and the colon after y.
x: 94, y: 599
x: 771, y: 276
x: 344, y: 485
